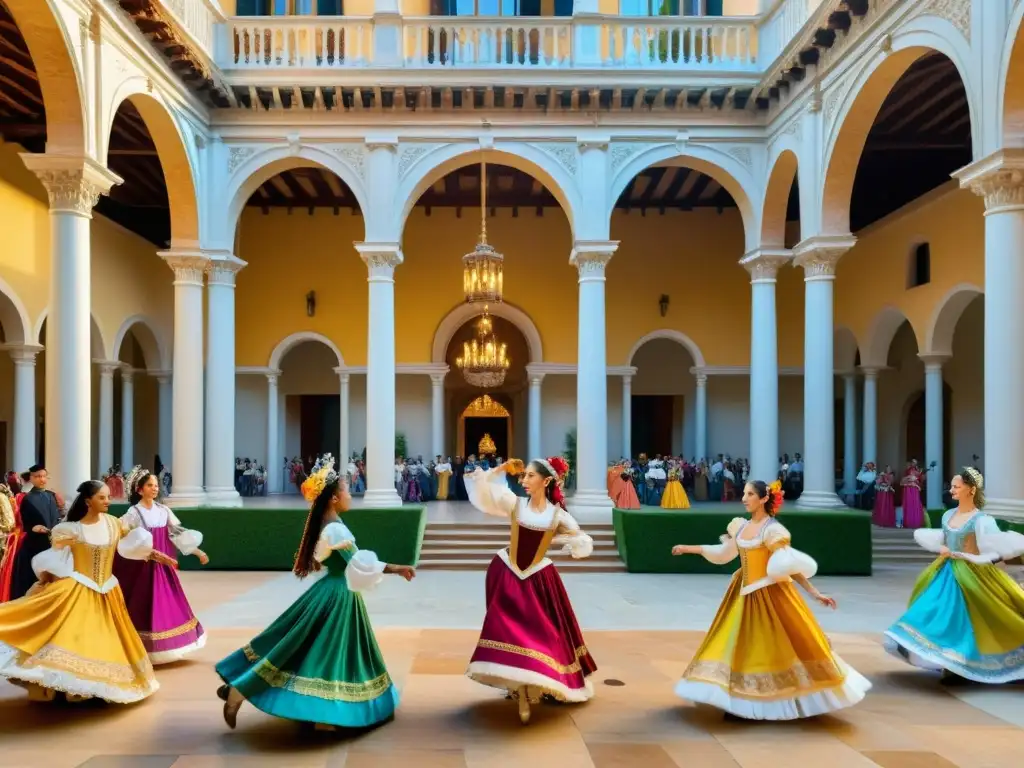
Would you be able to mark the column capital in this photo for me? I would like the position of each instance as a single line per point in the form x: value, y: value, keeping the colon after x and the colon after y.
x: 221, y: 269
x: 382, y: 142
x: 700, y: 376
x: 599, y: 143
x: 188, y: 264
x: 162, y: 377
x: 763, y: 263
x: 437, y: 379
x: 344, y: 374
x: 127, y: 373
x: 869, y: 372
x: 23, y: 354
x: 380, y: 258
x: 591, y: 257
x: 273, y: 377
x: 818, y: 255
x: 998, y: 178
x: 933, y: 361
x: 107, y: 367
x: 73, y: 183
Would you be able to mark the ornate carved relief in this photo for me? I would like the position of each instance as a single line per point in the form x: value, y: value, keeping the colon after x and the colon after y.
x: 744, y: 156
x: 820, y: 261
x: 71, y: 191
x: 956, y: 12
x: 237, y: 156
x: 353, y: 155
x: 382, y: 263
x: 223, y: 271
x: 621, y: 153
x: 591, y: 264
x: 792, y: 128
x: 1000, y: 189
x: 831, y: 102
x: 765, y: 267
x: 408, y: 154
x: 565, y: 154
x: 188, y: 268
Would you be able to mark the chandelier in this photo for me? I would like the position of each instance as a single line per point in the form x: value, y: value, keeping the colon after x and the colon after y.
x: 484, y: 361
x: 483, y: 267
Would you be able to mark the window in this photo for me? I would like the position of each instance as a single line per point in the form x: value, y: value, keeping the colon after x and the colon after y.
x: 919, y: 268
x: 670, y: 7
x: 289, y: 7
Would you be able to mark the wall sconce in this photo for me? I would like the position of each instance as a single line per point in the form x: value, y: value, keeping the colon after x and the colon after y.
x: 663, y: 304
x: 311, y: 303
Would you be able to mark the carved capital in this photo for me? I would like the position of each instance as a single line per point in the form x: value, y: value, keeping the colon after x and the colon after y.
x: 701, y: 379
x: 763, y: 264
x: 869, y: 374
x: 107, y: 367
x: 127, y: 374
x: 380, y: 259
x: 24, y: 355
x: 591, y: 257
x: 73, y: 184
x: 273, y: 377
x: 437, y: 379
x: 188, y: 266
x: 162, y: 377
x: 998, y: 178
x: 222, y: 271
x: 819, y: 255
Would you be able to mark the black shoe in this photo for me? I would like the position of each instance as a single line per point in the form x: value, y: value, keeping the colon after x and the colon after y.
x: 222, y: 692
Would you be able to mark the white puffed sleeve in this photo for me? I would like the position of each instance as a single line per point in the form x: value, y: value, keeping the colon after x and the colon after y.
x: 364, y: 571
x: 186, y: 541
x: 1000, y: 545
x: 726, y: 551
x: 58, y: 561
x: 571, y: 538
x: 930, y: 539
x: 785, y: 561
x: 488, y: 491
x: 137, y: 544
x: 130, y: 520
x: 331, y: 536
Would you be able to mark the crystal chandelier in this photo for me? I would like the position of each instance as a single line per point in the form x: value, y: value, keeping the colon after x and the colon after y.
x: 484, y: 361
x: 483, y: 268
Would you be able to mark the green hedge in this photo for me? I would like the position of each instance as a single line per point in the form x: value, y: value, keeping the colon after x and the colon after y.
x: 840, y: 541
x: 267, y: 539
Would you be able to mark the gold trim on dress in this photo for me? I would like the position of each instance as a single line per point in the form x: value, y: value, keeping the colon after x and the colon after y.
x: 543, y: 658
x: 167, y: 634
x: 988, y: 662
x: 330, y: 690
x: 803, y: 678
x: 122, y: 675
x: 542, y: 547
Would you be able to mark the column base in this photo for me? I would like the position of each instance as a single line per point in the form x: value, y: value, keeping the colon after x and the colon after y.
x: 819, y: 500
x: 187, y: 497
x: 591, y: 507
x: 386, y: 498
x: 1006, y: 509
x: 222, y: 497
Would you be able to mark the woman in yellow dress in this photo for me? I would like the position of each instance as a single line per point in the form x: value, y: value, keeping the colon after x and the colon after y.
x: 72, y: 632
x: 675, y: 495
x: 443, y: 471
x: 765, y: 657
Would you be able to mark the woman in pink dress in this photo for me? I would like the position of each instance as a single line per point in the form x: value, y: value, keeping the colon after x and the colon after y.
x: 884, y: 513
x: 625, y: 496
x: 115, y: 482
x: 531, y: 645
x: 913, y: 509
x: 156, y: 602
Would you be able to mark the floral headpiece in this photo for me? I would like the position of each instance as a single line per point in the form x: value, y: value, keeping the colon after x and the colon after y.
x: 320, y: 477
x: 134, y: 475
x: 976, y: 477
x: 776, y: 494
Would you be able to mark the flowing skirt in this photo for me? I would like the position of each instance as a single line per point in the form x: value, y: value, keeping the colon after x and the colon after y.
x: 884, y: 513
x: 442, y: 486
x: 913, y: 510
x: 766, y: 658
x: 7, y: 564
x: 627, y: 498
x: 674, y: 496
x: 531, y: 638
x: 317, y: 663
x: 965, y: 618
x: 70, y: 638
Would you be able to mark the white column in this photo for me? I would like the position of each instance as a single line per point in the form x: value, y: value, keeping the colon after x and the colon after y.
x: 187, y: 386
x: 533, y: 415
x: 25, y: 420
x: 870, y: 427
x: 700, y: 411
x: 436, y: 414
x: 344, y: 437
x: 818, y: 257
x: 220, y: 382
x: 165, y: 416
x: 763, y: 265
x: 849, y: 433
x: 74, y: 186
x: 591, y: 498
x: 935, y: 471
x: 999, y: 178
x: 381, y: 260
x: 105, y: 417
x: 627, y: 417
x: 127, y: 419
x: 274, y: 460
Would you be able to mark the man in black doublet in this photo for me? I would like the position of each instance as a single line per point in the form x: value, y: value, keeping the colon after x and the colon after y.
x: 39, y: 513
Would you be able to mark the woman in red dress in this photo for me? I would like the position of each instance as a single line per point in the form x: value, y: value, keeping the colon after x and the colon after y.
x: 14, y: 539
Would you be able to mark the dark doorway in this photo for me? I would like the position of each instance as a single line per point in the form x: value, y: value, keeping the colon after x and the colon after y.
x: 320, y: 424
x: 652, y: 424
x: 496, y: 426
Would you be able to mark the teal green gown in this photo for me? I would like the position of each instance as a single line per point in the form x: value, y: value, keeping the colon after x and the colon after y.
x: 319, y: 661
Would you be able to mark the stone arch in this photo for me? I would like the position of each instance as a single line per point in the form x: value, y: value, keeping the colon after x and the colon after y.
x: 535, y: 162
x: 678, y: 337
x: 154, y: 350
x: 13, y: 316
x: 939, y: 337
x: 46, y: 33
x: 463, y: 313
x: 100, y: 347
x: 289, y: 343
x: 845, y: 348
x: 1011, y: 84
x: 172, y: 151
x: 724, y: 168
x: 859, y: 106
x: 782, y: 173
x: 880, y: 335
x: 255, y: 170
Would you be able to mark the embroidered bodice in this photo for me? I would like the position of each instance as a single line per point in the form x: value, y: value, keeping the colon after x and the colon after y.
x: 157, y: 518
x: 765, y: 559
x: 85, y: 552
x: 978, y: 540
x: 963, y: 539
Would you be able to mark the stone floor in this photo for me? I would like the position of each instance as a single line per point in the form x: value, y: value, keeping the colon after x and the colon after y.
x: 642, y: 631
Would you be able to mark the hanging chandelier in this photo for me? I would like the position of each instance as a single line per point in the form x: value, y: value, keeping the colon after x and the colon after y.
x: 483, y: 268
x: 484, y: 360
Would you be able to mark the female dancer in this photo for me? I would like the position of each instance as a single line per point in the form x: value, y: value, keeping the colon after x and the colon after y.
x: 675, y: 496
x: 966, y: 615
x: 530, y: 644
x: 319, y: 661
x: 72, y: 632
x: 152, y: 591
x: 765, y: 657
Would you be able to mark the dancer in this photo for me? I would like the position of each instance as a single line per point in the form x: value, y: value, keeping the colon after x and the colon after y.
x: 14, y: 540
x: 152, y: 591
x: 72, y: 633
x: 913, y: 509
x: 319, y: 661
x: 765, y: 657
x: 675, y: 495
x: 966, y: 615
x: 530, y: 644
x: 40, y: 512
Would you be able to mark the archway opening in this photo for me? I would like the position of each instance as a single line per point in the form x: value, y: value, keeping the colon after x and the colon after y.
x: 1013, y: 92
x: 311, y: 412
x: 662, y: 402
x: 964, y: 373
x: 486, y: 429
x: 22, y: 111
x: 12, y: 333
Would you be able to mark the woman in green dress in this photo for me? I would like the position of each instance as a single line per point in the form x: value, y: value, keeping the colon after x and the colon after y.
x: 319, y: 661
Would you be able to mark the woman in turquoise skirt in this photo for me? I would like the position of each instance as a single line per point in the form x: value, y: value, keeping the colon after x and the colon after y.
x: 319, y: 661
x: 966, y: 615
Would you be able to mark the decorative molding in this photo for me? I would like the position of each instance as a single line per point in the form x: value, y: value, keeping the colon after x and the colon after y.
x: 819, y: 255
x: 591, y: 257
x: 188, y: 266
x: 565, y: 154
x: 380, y: 258
x: 408, y: 154
x: 107, y: 367
x: 763, y: 264
x: 354, y: 155
x: 23, y: 354
x: 73, y: 184
x: 956, y: 12
x: 621, y: 154
x: 792, y: 128
x: 223, y: 271
x: 831, y: 102
x: 744, y: 156
x: 998, y: 178
x: 237, y: 156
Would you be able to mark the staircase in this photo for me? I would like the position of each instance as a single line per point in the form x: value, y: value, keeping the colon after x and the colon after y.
x: 472, y: 546
x: 894, y: 546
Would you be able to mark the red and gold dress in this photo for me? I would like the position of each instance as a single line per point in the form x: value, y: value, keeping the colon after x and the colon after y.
x: 14, y: 539
x: 530, y: 637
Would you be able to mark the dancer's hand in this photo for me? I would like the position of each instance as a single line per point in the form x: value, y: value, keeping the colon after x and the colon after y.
x: 828, y: 602
x: 204, y: 559
x: 40, y: 529
x: 685, y: 549
x: 160, y: 557
x: 346, y: 544
x: 407, y: 572
x: 944, y: 551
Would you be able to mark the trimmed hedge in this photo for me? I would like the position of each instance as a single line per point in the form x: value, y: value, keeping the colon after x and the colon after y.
x: 840, y: 541
x: 262, y: 539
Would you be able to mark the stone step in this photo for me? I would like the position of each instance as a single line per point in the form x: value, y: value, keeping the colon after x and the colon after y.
x: 481, y: 564
x: 451, y: 553
x: 497, y: 536
x: 472, y: 546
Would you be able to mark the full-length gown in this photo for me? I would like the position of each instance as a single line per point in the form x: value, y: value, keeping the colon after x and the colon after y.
x: 14, y: 540
x: 74, y: 634
x: 157, y: 603
x: 530, y: 637
x: 884, y: 510
x: 444, y: 473
x: 319, y: 661
x: 674, y: 496
x: 626, y: 497
x: 966, y: 614
x: 765, y: 657
x: 913, y: 508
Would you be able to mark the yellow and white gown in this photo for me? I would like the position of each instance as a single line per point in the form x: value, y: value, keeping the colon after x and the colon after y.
x: 674, y: 496
x: 74, y: 634
x: 765, y: 657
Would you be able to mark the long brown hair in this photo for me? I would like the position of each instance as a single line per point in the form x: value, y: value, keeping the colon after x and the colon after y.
x: 305, y: 563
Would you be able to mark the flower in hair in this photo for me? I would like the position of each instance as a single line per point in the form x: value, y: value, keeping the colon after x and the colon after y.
x: 776, y: 494
x: 560, y: 465
x: 320, y: 477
